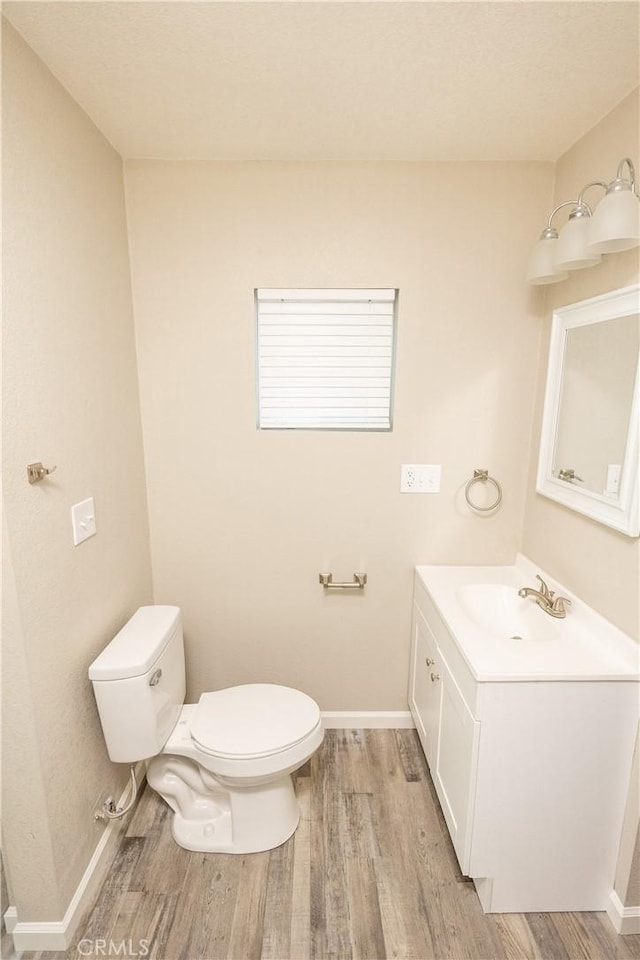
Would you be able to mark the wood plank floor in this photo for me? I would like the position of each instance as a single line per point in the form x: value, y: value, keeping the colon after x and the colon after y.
x: 370, y: 873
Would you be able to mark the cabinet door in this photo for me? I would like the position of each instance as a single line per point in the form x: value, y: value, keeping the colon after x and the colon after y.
x: 424, y: 692
x: 456, y: 763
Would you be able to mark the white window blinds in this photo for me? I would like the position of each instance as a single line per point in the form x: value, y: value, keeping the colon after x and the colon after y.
x: 325, y: 359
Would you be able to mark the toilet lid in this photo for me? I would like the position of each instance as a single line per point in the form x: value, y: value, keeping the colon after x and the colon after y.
x: 253, y: 720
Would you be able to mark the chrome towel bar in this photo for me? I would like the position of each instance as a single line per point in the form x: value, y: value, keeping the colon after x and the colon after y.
x: 359, y: 580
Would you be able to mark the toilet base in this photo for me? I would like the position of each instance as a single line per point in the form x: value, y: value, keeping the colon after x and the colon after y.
x: 211, y: 817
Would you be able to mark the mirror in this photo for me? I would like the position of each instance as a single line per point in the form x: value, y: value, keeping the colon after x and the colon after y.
x: 589, y: 444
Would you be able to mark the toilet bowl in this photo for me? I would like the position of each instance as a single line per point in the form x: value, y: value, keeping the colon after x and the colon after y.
x: 249, y: 739
x: 224, y: 764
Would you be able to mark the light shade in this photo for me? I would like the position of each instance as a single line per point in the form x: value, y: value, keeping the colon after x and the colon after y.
x: 615, y: 224
x: 571, y: 249
x: 542, y: 262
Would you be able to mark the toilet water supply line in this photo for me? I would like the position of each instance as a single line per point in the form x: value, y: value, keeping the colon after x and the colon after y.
x: 110, y: 811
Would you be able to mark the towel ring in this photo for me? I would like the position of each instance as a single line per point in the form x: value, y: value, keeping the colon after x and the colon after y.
x: 482, y: 476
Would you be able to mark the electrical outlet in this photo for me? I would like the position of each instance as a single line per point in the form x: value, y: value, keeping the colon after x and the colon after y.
x: 408, y: 478
x: 420, y: 478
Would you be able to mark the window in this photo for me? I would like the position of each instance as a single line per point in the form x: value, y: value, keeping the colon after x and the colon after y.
x: 325, y: 359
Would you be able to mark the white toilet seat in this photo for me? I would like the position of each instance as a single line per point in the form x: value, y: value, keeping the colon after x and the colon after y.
x: 253, y: 721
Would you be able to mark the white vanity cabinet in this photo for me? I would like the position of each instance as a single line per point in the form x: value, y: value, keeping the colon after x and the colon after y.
x: 447, y: 730
x: 532, y: 775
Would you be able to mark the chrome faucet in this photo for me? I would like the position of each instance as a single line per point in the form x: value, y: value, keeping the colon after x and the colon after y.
x: 546, y: 599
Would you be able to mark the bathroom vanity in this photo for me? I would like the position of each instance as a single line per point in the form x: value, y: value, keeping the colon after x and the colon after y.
x: 528, y: 725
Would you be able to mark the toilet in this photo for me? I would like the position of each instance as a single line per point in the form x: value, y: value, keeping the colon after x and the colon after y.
x: 223, y: 764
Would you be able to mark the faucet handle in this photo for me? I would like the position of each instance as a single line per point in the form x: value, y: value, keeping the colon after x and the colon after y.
x: 558, y: 606
x: 544, y: 589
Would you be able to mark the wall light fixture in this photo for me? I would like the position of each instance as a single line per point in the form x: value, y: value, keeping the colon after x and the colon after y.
x: 611, y: 226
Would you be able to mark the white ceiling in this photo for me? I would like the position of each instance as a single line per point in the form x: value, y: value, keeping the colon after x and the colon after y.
x: 339, y: 80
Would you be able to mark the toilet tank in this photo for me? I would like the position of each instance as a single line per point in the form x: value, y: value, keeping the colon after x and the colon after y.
x: 139, y: 684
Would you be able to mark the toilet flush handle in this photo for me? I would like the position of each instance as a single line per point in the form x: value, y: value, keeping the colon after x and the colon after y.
x: 155, y: 678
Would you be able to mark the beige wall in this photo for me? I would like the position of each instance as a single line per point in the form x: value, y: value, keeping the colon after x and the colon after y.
x: 242, y: 521
x: 69, y: 399
x: 599, y: 564
x: 24, y: 800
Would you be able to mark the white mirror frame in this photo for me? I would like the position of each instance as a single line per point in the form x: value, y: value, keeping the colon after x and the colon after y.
x: 622, y: 513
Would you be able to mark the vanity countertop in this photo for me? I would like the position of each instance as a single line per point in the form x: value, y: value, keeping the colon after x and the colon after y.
x: 504, y: 637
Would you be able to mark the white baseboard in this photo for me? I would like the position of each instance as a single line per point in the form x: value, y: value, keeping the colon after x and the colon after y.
x: 626, y: 920
x: 369, y: 720
x: 10, y: 919
x: 58, y: 934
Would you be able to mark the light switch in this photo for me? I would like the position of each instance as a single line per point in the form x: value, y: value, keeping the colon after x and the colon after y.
x: 83, y: 521
x: 613, y: 479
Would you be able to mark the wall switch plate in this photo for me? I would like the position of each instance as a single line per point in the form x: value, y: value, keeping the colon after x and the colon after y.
x: 83, y: 521
x: 420, y: 478
x: 612, y: 487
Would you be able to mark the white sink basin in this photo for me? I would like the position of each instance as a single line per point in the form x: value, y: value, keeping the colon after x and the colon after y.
x: 502, y: 636
x: 497, y: 608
